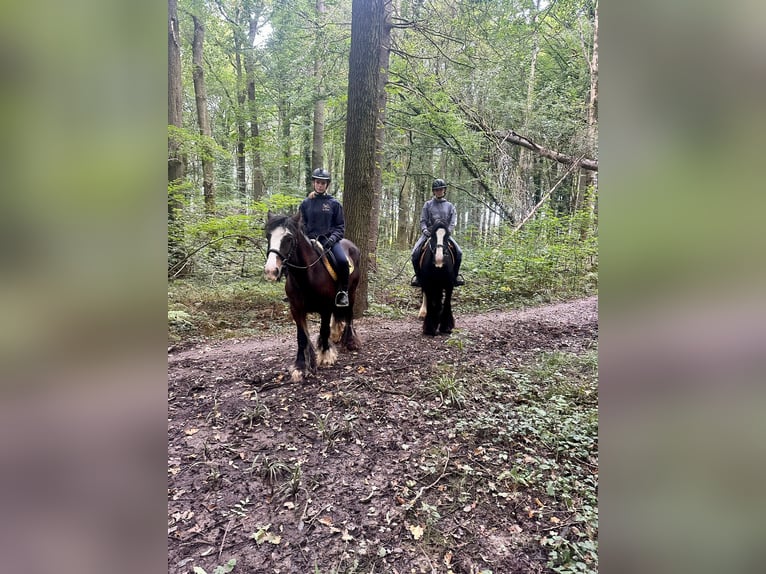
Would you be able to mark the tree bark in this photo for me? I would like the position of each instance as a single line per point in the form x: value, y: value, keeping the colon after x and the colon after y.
x: 317, y: 145
x: 253, y: 14
x: 362, y: 175
x: 512, y: 137
x: 176, y: 166
x: 200, y: 92
x: 241, y: 112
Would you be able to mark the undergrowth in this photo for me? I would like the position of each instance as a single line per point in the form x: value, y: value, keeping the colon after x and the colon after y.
x: 532, y: 439
x: 540, y: 426
x: 227, y: 296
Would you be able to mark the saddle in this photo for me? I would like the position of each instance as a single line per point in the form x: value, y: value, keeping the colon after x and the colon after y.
x: 328, y: 259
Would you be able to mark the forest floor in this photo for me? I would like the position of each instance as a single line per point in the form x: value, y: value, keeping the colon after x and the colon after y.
x: 413, y: 454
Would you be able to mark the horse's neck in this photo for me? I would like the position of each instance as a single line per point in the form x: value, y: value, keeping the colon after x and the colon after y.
x: 305, y: 250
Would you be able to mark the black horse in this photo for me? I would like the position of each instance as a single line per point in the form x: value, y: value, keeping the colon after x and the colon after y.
x: 311, y: 289
x: 437, y: 271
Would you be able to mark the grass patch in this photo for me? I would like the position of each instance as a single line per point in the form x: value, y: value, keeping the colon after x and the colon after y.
x: 534, y: 435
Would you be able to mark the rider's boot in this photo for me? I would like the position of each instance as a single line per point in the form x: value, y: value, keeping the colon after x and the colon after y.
x: 458, y: 281
x: 415, y: 281
x: 341, y: 297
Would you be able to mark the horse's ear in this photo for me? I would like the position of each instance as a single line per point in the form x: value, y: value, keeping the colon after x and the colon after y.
x: 297, y: 218
x: 268, y: 215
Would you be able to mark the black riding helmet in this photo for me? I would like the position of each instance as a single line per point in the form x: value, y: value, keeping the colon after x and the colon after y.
x: 438, y: 184
x: 321, y: 173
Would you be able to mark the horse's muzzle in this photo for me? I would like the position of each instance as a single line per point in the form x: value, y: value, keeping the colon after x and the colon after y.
x: 272, y: 268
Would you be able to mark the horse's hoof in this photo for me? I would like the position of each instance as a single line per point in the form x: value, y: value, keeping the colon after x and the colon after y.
x: 430, y: 333
x: 445, y: 331
x: 296, y: 375
x: 327, y: 357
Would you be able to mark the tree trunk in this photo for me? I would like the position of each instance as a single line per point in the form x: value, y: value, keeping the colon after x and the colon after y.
x: 363, y: 130
x: 591, y: 178
x: 252, y: 109
x: 317, y: 146
x: 380, y: 132
x: 200, y: 92
x: 175, y: 162
x: 284, y: 120
x: 241, y: 114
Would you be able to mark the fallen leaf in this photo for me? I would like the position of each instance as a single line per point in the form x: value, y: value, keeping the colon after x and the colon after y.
x: 555, y: 520
x: 191, y: 431
x: 326, y: 520
x: 346, y: 536
x: 263, y: 535
x: 417, y: 532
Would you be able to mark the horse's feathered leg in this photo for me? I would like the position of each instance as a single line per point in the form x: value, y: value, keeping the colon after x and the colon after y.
x: 447, y: 320
x: 433, y: 303
x: 423, y: 307
x: 327, y: 353
x: 305, y: 360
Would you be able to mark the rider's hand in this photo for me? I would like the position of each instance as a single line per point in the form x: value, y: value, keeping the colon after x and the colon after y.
x: 427, y: 233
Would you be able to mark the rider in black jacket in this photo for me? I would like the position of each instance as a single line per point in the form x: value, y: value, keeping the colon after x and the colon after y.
x: 323, y: 220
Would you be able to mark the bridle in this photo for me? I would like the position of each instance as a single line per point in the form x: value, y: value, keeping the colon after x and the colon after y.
x: 286, y: 258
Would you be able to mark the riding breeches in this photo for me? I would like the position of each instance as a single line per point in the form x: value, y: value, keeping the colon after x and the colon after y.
x: 341, y: 263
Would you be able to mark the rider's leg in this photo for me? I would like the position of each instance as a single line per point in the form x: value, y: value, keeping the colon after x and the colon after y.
x: 415, y: 282
x: 458, y: 260
x: 341, y: 297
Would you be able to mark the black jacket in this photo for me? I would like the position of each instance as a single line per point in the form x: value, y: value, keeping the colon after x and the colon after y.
x: 323, y: 216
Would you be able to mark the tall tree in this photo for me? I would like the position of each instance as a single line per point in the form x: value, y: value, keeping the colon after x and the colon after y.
x: 362, y: 170
x: 200, y: 92
x: 317, y: 146
x: 252, y: 12
x: 176, y: 166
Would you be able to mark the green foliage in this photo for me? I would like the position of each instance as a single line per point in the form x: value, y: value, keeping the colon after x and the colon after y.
x: 547, y: 259
x: 555, y: 425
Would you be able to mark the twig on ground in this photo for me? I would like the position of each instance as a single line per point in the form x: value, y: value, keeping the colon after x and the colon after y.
x: 412, y: 502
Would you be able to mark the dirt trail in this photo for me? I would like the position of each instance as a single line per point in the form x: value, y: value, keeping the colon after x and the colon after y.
x: 289, y: 477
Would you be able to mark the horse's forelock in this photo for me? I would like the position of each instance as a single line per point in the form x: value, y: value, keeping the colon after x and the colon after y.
x: 276, y: 221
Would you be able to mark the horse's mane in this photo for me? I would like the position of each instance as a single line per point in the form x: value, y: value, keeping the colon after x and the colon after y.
x: 288, y: 221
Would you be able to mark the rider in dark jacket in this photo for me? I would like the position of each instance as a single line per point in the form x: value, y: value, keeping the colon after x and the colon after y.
x: 437, y: 208
x: 323, y: 220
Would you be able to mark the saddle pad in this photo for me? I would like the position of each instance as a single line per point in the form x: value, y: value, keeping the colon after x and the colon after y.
x: 326, y: 260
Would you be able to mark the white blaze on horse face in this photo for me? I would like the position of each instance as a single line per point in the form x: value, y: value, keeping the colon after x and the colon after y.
x: 440, y: 233
x: 274, y: 263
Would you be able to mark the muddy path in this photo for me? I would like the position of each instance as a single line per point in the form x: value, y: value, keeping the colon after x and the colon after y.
x: 360, y: 468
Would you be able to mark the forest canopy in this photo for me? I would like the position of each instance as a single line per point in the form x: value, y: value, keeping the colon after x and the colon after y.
x: 498, y: 98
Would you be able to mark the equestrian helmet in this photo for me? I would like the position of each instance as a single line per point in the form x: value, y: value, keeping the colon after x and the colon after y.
x: 438, y: 184
x: 321, y: 173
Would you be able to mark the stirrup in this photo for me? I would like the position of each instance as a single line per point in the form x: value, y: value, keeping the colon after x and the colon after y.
x: 459, y: 281
x: 415, y: 281
x: 341, y: 299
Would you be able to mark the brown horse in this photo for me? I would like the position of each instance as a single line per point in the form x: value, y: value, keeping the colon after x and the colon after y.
x: 311, y: 289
